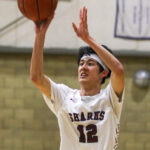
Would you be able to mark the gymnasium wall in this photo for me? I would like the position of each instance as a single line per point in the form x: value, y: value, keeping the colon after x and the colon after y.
x: 101, y: 23
x: 26, y: 123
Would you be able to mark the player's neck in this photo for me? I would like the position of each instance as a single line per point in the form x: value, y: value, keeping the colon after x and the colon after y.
x: 88, y: 91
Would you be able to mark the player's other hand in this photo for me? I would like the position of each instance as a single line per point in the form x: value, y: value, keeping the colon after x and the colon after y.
x: 42, y: 26
x: 82, y: 29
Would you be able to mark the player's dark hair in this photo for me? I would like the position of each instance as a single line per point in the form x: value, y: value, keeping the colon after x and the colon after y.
x: 88, y: 50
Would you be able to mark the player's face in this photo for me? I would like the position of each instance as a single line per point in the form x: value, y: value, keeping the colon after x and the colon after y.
x: 88, y: 72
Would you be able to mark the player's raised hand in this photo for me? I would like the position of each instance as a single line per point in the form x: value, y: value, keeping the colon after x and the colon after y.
x: 42, y: 26
x: 82, y: 29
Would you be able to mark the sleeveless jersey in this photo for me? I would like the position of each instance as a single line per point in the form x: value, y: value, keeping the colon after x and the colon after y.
x: 86, y: 122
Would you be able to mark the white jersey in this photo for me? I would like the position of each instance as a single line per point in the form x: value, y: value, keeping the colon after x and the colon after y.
x: 86, y: 122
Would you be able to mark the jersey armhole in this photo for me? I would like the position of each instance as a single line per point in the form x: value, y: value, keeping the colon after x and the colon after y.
x: 116, y: 101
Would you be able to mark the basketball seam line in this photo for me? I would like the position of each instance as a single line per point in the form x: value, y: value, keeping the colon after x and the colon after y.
x: 38, y: 10
x: 24, y: 8
x: 51, y: 7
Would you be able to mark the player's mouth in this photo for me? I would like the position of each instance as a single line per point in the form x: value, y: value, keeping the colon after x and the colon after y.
x: 83, y: 75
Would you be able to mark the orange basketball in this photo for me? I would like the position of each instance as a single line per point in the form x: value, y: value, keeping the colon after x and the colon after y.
x: 37, y: 10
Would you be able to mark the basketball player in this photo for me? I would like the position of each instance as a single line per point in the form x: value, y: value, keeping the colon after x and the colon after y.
x: 88, y: 118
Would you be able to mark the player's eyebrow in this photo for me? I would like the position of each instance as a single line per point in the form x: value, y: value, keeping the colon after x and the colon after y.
x: 89, y: 60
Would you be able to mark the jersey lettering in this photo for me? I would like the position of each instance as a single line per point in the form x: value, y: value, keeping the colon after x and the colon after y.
x: 82, y: 117
x: 98, y: 115
x: 89, y: 116
x: 76, y: 116
x: 102, y: 115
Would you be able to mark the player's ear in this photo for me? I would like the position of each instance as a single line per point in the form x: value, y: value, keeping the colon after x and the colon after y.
x: 103, y: 74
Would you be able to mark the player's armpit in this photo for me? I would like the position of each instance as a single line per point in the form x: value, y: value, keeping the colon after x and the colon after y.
x: 43, y: 84
x: 117, y: 81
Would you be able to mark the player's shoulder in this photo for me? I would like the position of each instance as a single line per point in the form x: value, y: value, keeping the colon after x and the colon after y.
x: 105, y: 92
x: 63, y: 88
x: 107, y: 87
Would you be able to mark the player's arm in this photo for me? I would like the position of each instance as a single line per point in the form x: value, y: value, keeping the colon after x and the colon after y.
x: 117, y: 75
x: 36, y: 68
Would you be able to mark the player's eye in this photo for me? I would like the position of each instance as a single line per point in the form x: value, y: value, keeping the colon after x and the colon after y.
x: 81, y: 63
x: 91, y: 63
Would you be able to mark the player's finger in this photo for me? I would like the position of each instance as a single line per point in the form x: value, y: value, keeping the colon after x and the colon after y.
x: 49, y: 19
x: 84, y: 14
x: 51, y: 16
x: 81, y: 14
x: 74, y: 27
x: 37, y: 23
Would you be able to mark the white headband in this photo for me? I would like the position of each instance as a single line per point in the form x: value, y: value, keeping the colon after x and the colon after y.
x: 96, y: 58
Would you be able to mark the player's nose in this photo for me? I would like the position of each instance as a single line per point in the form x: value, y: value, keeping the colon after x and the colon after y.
x: 84, y: 67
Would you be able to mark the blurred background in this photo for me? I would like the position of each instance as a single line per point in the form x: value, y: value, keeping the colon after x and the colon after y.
x: 26, y: 123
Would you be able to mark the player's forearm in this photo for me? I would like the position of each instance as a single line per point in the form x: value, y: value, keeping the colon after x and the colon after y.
x: 111, y: 61
x: 36, y: 69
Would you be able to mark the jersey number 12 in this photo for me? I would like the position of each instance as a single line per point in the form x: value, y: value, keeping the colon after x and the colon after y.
x: 90, y: 136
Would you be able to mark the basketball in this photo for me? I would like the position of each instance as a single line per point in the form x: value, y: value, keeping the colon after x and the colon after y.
x: 37, y: 10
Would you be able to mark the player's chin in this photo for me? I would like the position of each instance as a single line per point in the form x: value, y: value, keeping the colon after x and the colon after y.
x: 82, y: 80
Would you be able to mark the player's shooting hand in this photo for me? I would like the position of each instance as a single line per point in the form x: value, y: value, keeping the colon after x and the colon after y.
x: 82, y: 29
x: 42, y: 26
